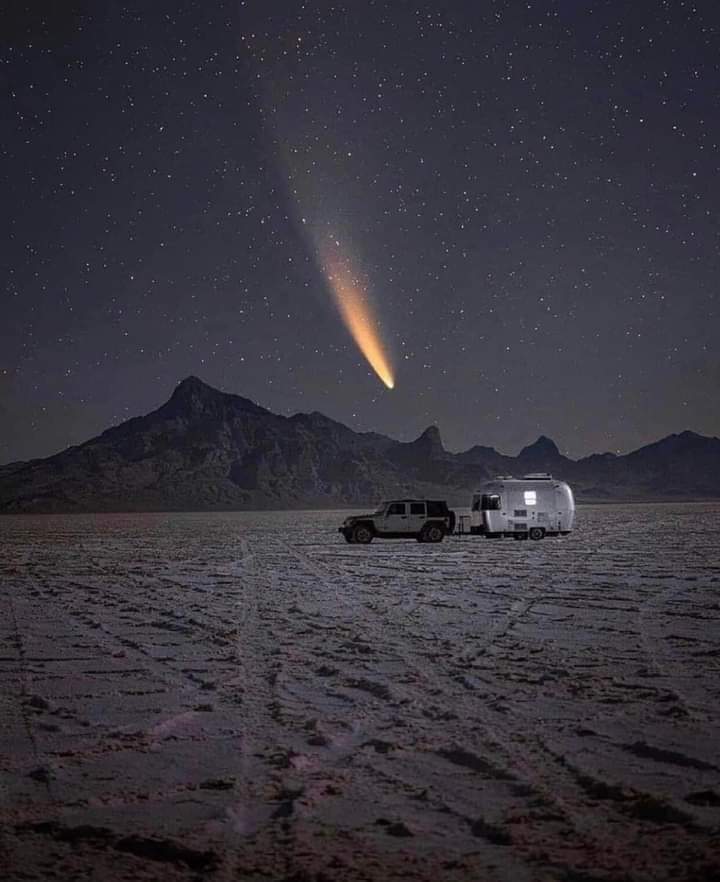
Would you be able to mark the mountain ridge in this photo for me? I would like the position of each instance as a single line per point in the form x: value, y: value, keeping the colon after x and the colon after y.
x: 204, y: 449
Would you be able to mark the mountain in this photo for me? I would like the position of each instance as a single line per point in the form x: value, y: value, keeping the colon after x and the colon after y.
x: 540, y: 452
x: 210, y: 450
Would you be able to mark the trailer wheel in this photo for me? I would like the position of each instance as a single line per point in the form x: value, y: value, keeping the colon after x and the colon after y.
x: 362, y: 534
x: 537, y: 533
x: 432, y: 533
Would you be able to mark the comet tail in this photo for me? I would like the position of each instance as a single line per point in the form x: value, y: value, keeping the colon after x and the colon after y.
x: 355, y: 311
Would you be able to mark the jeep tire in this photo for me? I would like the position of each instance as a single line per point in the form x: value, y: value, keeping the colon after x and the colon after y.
x: 432, y: 533
x: 362, y: 534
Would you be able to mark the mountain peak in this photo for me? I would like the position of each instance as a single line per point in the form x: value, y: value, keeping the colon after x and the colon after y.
x: 194, y: 395
x: 193, y: 384
x: 543, y: 447
x: 677, y: 444
x: 191, y: 395
x: 431, y: 440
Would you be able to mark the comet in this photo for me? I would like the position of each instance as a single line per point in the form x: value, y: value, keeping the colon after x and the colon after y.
x: 350, y: 294
x: 311, y: 179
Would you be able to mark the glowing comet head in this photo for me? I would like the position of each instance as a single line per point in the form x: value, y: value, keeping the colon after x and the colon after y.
x: 355, y: 311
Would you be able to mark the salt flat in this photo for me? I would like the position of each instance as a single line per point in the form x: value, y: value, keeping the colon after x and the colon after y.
x: 245, y: 696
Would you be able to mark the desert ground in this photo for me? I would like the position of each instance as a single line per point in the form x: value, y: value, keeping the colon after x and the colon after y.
x: 247, y: 697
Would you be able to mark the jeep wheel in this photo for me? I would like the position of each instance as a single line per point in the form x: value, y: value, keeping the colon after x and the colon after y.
x: 362, y: 534
x: 537, y: 533
x: 432, y: 533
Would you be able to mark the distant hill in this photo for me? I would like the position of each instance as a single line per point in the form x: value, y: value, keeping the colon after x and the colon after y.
x: 209, y: 450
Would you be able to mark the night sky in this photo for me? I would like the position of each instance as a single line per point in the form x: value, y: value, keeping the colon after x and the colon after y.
x: 528, y: 193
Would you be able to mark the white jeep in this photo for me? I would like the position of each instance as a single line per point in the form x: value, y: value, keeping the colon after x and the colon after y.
x: 427, y: 520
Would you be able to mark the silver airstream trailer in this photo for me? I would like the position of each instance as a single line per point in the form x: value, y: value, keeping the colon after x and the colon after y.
x: 532, y: 507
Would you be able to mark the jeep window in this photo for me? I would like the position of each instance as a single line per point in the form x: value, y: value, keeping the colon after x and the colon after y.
x: 397, y: 508
x: 436, y: 509
x: 490, y: 502
x: 417, y: 508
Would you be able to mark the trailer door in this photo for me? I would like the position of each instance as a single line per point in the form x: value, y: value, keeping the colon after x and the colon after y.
x: 545, y: 506
x: 493, y: 517
x: 559, y: 512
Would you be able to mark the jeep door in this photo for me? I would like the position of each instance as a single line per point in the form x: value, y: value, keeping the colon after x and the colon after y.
x: 396, y: 518
x: 416, y: 517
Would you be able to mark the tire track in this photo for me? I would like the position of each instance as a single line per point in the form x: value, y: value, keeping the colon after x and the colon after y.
x: 527, y: 757
x: 520, y: 756
x: 689, y: 689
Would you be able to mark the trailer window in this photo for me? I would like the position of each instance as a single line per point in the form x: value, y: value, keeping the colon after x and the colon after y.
x: 530, y: 497
x: 490, y: 502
